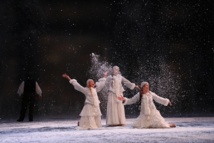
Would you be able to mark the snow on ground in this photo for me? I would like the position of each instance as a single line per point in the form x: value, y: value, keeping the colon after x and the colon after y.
x: 197, y: 130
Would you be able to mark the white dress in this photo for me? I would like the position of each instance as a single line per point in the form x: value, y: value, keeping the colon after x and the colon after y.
x: 115, y: 107
x: 90, y: 114
x: 149, y: 116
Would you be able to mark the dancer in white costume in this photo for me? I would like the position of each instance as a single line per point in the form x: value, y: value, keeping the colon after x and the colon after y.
x: 90, y: 114
x: 149, y: 116
x: 115, y: 108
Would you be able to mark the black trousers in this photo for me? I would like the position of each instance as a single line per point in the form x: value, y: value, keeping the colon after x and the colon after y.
x: 28, y: 101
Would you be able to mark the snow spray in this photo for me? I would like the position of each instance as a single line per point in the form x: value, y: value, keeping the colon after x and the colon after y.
x: 98, y: 67
x: 163, y: 82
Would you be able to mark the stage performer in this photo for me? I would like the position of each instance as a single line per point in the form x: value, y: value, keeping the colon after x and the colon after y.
x: 90, y: 114
x: 149, y: 116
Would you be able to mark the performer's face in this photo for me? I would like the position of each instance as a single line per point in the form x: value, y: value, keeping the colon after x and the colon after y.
x: 91, y: 83
x: 145, y: 88
x: 116, y: 71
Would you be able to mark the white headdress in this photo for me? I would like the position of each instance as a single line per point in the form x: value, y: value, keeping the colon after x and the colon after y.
x: 116, y: 67
x: 143, y: 83
x: 87, y: 82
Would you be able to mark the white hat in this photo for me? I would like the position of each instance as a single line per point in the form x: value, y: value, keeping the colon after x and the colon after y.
x: 88, y: 81
x: 143, y: 83
x: 116, y: 68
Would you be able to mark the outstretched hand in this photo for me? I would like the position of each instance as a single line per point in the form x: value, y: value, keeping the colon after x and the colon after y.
x: 170, y: 103
x: 66, y: 76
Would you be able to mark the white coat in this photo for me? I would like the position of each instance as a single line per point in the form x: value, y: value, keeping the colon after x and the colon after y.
x: 149, y: 116
x: 115, y: 107
x: 90, y: 114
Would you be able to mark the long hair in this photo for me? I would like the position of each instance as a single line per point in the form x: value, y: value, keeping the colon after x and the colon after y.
x: 141, y: 86
x: 87, y: 82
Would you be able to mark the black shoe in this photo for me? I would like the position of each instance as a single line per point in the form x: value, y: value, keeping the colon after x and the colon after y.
x: 19, y: 120
x: 31, y: 120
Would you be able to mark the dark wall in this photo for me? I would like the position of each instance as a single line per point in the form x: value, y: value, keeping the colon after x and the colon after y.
x: 166, y: 43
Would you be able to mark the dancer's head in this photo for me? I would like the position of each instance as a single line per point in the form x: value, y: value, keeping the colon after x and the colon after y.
x: 90, y: 83
x: 144, y: 87
x: 116, y: 70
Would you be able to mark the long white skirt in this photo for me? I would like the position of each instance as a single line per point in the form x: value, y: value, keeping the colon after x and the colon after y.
x: 90, y: 117
x: 115, y: 111
x: 154, y: 120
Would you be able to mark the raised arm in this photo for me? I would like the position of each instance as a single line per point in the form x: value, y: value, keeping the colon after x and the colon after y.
x: 134, y: 99
x: 74, y: 82
x: 101, y: 82
x: 128, y: 84
x: 66, y: 76
x: 161, y: 100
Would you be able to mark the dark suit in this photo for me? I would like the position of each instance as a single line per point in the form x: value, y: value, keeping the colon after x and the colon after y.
x: 28, y: 90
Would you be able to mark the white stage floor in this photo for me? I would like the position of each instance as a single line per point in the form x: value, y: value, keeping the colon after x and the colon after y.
x: 194, y: 129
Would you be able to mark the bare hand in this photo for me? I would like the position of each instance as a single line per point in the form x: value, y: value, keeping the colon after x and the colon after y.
x: 137, y: 87
x: 121, y: 98
x: 170, y: 104
x: 66, y: 76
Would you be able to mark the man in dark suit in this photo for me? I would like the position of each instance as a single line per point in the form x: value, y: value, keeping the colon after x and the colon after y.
x: 28, y: 90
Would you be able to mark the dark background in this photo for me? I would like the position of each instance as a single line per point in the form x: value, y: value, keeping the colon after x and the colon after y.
x: 168, y: 43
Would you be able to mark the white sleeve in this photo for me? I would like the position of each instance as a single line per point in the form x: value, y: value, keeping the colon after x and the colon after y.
x: 100, y: 84
x: 21, y: 88
x: 128, y: 84
x: 38, y: 89
x: 161, y: 100
x: 77, y: 86
x: 132, y: 100
x: 108, y: 81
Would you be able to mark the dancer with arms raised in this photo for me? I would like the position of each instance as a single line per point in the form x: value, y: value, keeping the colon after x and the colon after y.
x: 149, y: 116
x: 115, y: 108
x: 90, y: 114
